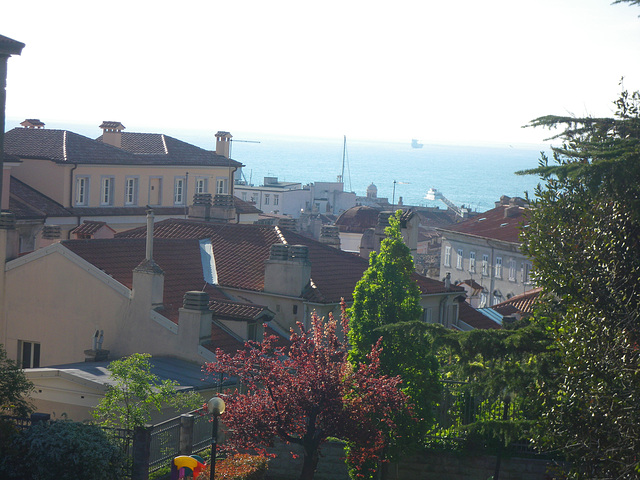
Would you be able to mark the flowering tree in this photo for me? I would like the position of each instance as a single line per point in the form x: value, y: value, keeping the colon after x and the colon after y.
x: 308, y: 392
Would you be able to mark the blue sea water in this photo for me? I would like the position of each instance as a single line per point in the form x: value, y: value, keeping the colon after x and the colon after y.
x: 474, y: 176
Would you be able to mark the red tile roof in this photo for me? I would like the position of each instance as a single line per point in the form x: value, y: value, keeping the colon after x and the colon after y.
x: 63, y: 146
x: 179, y: 259
x: 89, y: 227
x: 474, y: 318
x: 27, y: 203
x: 523, y: 303
x: 500, y: 223
x: 229, y: 310
x: 240, y: 253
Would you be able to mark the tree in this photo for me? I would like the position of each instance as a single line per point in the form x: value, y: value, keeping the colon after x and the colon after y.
x: 386, y: 304
x: 137, y: 392
x: 307, y: 392
x: 584, y: 237
x: 15, y: 387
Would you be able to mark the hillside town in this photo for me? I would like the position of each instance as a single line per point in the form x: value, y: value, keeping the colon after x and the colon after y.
x: 134, y: 243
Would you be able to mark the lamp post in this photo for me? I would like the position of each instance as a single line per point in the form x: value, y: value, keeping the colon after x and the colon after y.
x: 216, y: 407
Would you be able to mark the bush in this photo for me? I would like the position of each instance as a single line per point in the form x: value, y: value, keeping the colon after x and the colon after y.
x: 239, y: 467
x: 70, y: 450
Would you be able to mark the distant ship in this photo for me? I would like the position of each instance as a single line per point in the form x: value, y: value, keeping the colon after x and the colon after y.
x: 415, y: 143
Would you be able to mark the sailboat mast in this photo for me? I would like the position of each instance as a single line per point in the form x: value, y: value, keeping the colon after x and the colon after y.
x: 344, y: 154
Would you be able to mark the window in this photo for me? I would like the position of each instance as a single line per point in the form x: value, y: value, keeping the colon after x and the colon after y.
x: 459, y: 259
x: 178, y: 191
x: 222, y: 186
x: 427, y: 315
x: 266, y: 198
x: 498, y: 272
x: 472, y: 262
x: 254, y: 198
x: 526, y: 273
x: 82, y: 191
x: 512, y: 270
x: 244, y: 196
x: 295, y: 309
x: 447, y: 256
x: 28, y: 354
x: 276, y: 199
x: 485, y: 265
x: 106, y: 192
x: 201, y: 185
x: 131, y: 191
x: 252, y: 331
x: 483, y: 299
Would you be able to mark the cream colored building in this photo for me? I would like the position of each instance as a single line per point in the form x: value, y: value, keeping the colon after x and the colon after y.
x: 115, y: 177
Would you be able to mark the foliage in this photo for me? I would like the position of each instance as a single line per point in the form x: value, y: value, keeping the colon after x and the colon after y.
x: 69, y: 450
x: 584, y: 237
x: 307, y: 392
x: 241, y: 466
x: 386, y: 303
x: 137, y: 392
x: 14, y: 388
x: 11, y: 452
x: 503, y: 369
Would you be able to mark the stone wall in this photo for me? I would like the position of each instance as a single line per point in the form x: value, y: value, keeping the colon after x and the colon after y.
x: 432, y: 466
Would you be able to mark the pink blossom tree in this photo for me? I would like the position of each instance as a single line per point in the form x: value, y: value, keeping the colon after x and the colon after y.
x: 307, y: 392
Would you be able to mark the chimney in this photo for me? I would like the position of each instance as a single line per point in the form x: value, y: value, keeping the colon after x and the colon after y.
x: 148, y: 277
x: 223, y: 143
x: 194, y: 322
x: 288, y: 270
x: 32, y: 123
x: 112, y: 133
x: 223, y: 208
x: 330, y: 235
x: 201, y: 208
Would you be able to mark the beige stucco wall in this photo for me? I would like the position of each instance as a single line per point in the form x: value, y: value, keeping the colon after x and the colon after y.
x: 58, y: 300
x: 54, y: 180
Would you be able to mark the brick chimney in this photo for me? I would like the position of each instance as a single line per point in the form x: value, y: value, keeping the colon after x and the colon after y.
x: 112, y: 133
x: 223, y: 143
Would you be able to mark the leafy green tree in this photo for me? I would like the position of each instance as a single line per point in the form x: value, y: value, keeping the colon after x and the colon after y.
x: 386, y: 304
x: 584, y: 237
x: 137, y: 392
x: 14, y: 387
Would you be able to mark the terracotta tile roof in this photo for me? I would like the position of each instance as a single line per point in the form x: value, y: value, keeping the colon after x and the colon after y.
x: 63, y: 146
x: 523, y: 303
x: 229, y: 310
x: 160, y: 148
x: 243, y: 207
x: 474, y: 318
x: 179, y: 259
x: 240, y: 252
x: 27, y: 203
x: 224, y: 340
x: 500, y: 223
x: 124, y: 211
x: 89, y: 227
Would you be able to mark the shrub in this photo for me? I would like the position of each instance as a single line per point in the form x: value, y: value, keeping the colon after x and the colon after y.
x: 239, y: 467
x: 70, y: 450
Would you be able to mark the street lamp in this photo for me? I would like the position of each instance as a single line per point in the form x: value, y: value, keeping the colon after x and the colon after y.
x: 216, y: 408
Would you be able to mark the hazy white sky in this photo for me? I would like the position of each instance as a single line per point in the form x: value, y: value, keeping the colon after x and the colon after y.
x: 437, y: 70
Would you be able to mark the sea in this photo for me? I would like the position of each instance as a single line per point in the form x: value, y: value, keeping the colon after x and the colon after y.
x: 474, y: 176
x: 471, y: 176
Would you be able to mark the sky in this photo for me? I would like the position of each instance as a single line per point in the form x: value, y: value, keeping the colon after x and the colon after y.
x: 462, y: 71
